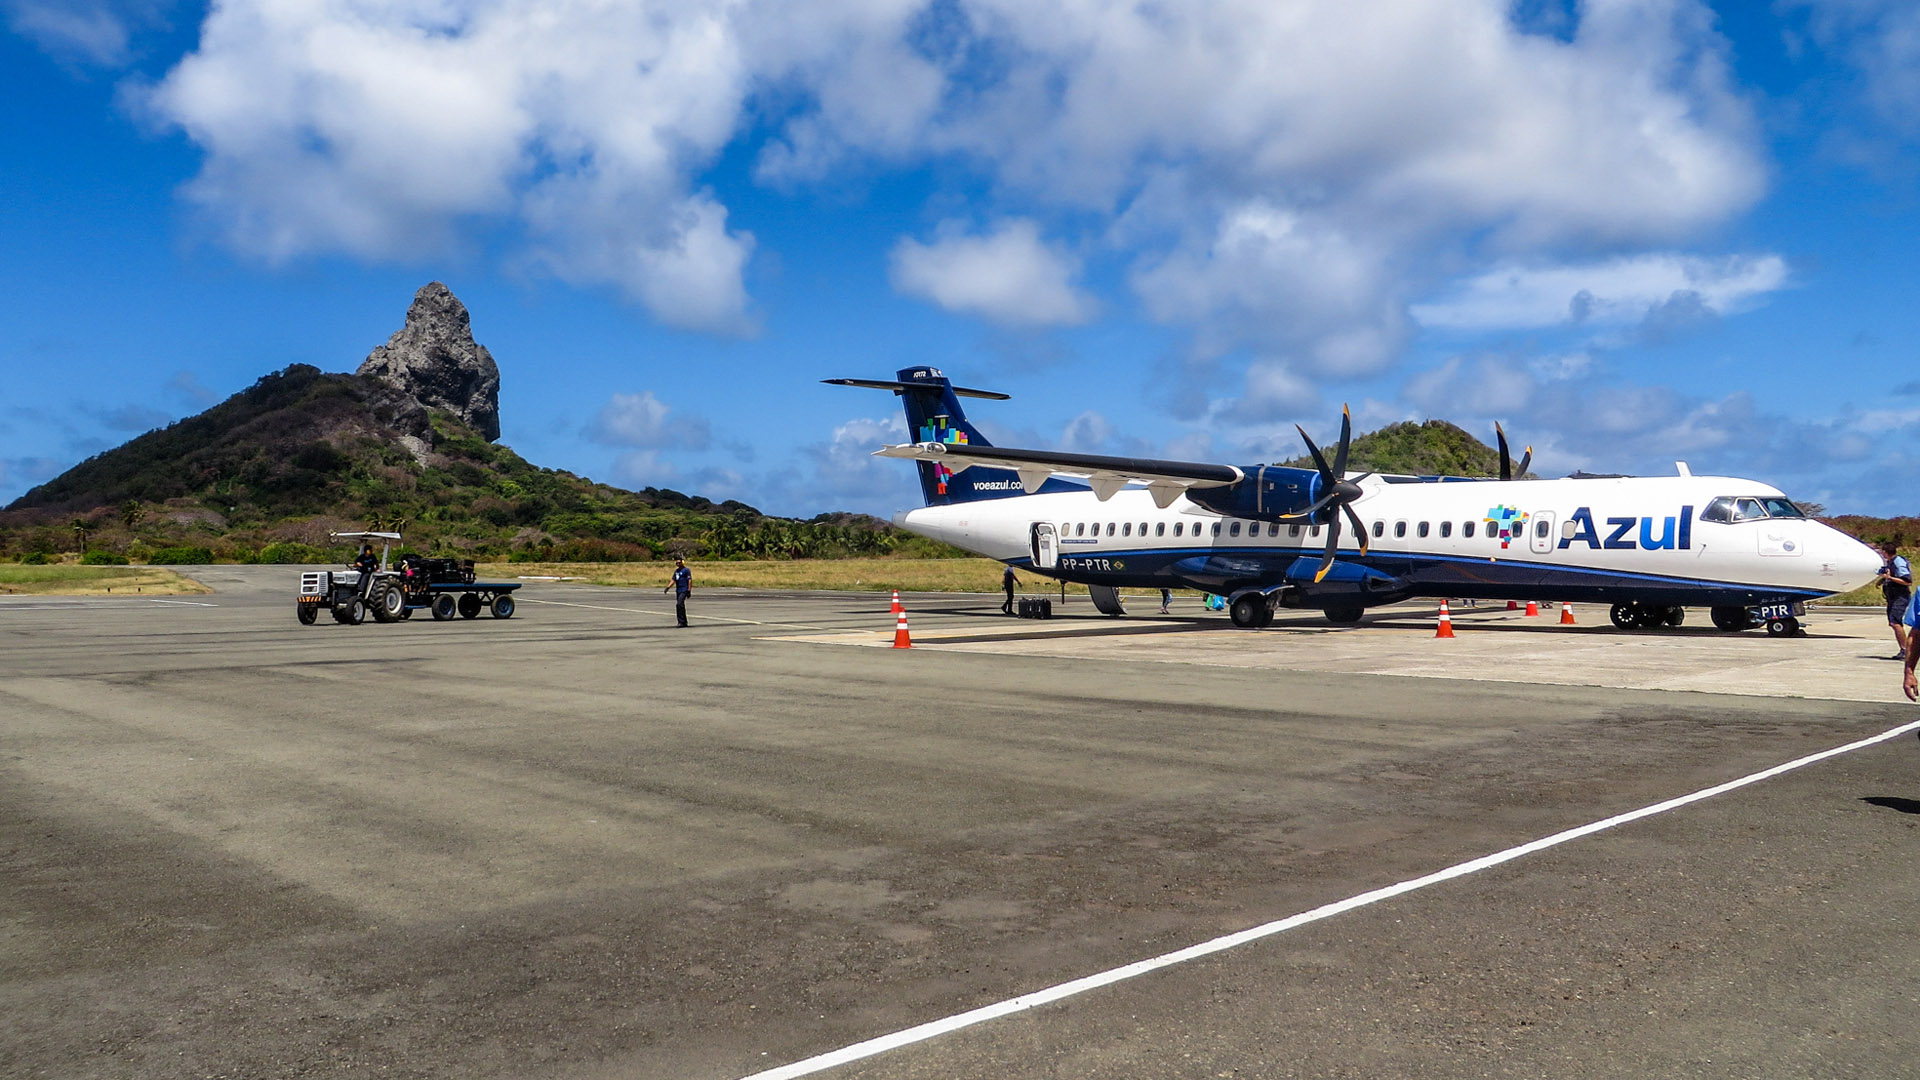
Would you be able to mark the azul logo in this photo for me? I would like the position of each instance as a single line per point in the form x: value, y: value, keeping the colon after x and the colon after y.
x: 1511, y: 521
x: 1622, y: 535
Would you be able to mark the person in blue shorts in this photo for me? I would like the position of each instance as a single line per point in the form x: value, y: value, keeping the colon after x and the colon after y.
x: 1896, y: 587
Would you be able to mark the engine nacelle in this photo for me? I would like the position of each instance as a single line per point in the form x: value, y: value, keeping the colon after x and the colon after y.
x: 1267, y: 493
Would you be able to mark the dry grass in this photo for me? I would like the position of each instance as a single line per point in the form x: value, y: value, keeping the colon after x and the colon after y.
x: 55, y: 580
x: 838, y: 575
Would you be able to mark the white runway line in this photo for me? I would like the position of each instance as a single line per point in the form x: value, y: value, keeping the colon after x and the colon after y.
x: 933, y: 1029
x: 183, y: 603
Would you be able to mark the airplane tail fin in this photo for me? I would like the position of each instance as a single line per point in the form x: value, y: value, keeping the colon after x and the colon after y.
x: 934, y: 415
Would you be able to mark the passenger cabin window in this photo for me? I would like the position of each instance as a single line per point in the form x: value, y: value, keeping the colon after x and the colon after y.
x: 1466, y: 530
x: 1143, y: 528
x: 1126, y: 529
x: 1423, y: 530
x: 1233, y: 529
x: 1446, y: 529
x: 1109, y: 528
x: 1379, y: 529
x: 1400, y: 530
x: 1178, y: 528
x: 1720, y: 510
x: 1540, y: 529
x: 1748, y: 510
x: 1216, y: 528
x: 1159, y: 528
x: 1080, y: 529
x: 1293, y: 530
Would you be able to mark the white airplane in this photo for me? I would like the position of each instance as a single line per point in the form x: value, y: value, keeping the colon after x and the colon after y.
x: 1268, y: 536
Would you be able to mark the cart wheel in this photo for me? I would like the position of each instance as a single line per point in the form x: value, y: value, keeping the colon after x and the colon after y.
x: 469, y: 606
x: 308, y: 613
x: 444, y: 607
x: 406, y: 613
x: 503, y: 606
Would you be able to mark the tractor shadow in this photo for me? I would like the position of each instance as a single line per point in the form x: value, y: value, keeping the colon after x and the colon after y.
x: 1893, y: 802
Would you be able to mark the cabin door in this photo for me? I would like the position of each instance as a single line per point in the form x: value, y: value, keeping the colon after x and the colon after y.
x: 1540, y: 534
x: 1046, y: 546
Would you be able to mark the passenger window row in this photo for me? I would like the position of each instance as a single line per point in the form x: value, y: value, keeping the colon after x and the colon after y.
x: 1183, y: 529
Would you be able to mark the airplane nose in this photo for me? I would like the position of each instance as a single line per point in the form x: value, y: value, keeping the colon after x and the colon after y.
x: 1854, y: 563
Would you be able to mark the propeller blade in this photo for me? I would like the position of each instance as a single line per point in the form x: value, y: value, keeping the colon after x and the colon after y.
x: 1333, y: 542
x: 1346, y: 436
x: 1359, y: 529
x: 1319, y: 460
x: 1318, y: 504
x: 1506, y: 460
x: 1525, y: 460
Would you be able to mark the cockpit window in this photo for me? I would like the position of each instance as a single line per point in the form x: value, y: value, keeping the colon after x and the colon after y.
x: 1720, y: 510
x: 1783, y: 508
x: 1748, y: 510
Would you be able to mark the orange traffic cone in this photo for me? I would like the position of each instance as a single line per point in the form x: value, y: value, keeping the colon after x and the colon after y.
x: 897, y: 609
x: 1533, y: 609
x: 1511, y: 606
x: 1566, y: 613
x: 1446, y: 622
x: 900, y: 638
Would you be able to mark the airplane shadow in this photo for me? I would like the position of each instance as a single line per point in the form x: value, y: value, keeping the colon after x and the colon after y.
x: 1893, y: 802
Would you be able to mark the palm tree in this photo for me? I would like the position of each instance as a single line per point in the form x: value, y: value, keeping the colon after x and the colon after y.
x: 82, y: 529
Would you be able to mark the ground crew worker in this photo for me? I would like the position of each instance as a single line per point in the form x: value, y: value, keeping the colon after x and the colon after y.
x: 1896, y: 587
x: 681, y: 588
x: 1007, y: 582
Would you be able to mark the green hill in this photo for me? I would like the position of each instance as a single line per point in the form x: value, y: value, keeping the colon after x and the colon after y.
x: 1433, y: 448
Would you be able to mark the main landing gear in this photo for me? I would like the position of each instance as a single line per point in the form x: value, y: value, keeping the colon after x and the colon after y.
x: 1645, y: 616
x: 1251, y: 611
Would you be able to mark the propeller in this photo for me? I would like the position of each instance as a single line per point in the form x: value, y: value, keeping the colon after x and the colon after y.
x: 1507, y: 471
x: 1337, y: 493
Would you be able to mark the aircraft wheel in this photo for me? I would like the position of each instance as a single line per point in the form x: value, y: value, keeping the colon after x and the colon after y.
x: 1782, y: 627
x: 1731, y: 619
x: 307, y: 613
x: 1675, y: 616
x: 503, y: 606
x: 444, y: 607
x: 1246, y: 611
x: 1344, y: 616
x: 1625, y: 616
x: 470, y: 605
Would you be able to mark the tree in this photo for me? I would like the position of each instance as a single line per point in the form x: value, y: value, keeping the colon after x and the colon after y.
x: 132, y: 514
x: 82, y: 529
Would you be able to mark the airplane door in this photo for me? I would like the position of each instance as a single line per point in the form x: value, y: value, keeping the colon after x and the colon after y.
x: 1046, y: 546
x: 1540, y: 533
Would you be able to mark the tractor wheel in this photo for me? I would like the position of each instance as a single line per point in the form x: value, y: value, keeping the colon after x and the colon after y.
x: 444, y: 607
x: 393, y: 601
x: 355, y: 614
x: 307, y: 613
x: 406, y: 613
x: 377, y: 602
x: 470, y: 605
x: 503, y: 606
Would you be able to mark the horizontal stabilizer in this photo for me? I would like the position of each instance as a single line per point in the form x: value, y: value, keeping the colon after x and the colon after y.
x: 901, y: 387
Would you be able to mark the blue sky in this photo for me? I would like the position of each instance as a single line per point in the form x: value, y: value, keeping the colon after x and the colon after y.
x: 1632, y: 231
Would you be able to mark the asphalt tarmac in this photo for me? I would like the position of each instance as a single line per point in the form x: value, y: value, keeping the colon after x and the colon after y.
x: 583, y: 843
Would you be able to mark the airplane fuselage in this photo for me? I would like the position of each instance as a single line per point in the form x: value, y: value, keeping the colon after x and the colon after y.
x: 1650, y: 540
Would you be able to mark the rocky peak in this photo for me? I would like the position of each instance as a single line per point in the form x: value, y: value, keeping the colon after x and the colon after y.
x: 434, y: 359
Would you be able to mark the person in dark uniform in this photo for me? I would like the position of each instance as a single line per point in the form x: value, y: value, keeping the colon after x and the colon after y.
x: 681, y: 588
x: 1007, y: 582
x: 366, y: 562
x: 1896, y: 586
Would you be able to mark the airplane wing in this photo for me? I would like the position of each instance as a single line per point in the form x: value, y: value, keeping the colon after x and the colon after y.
x: 1166, y: 480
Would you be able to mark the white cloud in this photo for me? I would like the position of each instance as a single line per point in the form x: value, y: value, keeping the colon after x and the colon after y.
x: 643, y: 420
x: 1881, y: 39
x: 95, y: 32
x: 1009, y: 275
x: 1616, y: 292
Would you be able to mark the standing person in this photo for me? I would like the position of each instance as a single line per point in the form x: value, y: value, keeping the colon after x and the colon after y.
x: 681, y: 588
x: 1166, y: 598
x: 1007, y: 582
x: 1896, y: 586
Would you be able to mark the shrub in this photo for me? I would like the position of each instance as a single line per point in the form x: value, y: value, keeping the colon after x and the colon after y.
x: 36, y: 558
x: 96, y: 557
x: 180, y: 556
